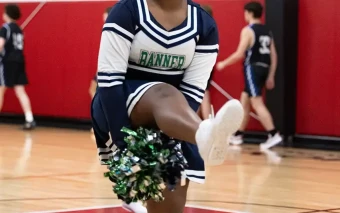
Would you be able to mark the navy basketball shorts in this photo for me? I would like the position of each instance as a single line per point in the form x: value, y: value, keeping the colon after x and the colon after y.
x: 13, y: 74
x: 104, y: 120
x: 255, y: 77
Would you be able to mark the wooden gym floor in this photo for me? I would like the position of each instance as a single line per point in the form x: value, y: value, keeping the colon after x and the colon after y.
x: 50, y: 169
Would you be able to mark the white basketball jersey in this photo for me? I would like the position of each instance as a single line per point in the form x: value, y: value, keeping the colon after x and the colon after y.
x: 135, y: 46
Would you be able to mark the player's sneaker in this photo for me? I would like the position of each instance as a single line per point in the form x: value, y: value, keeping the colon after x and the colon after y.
x: 212, y: 134
x: 236, y: 140
x: 271, y: 142
x: 29, y: 125
x: 135, y: 207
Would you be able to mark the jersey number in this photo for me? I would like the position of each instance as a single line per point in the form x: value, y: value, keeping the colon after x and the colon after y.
x: 265, y: 42
x: 18, y: 41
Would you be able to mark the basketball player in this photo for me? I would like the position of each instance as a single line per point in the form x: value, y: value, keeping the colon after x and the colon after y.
x: 154, y: 63
x: 93, y: 84
x: 259, y: 71
x: 12, y: 62
x: 205, y: 108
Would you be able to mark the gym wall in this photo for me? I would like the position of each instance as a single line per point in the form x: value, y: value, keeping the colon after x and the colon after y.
x: 61, y: 47
x: 318, y: 83
x: 62, y: 44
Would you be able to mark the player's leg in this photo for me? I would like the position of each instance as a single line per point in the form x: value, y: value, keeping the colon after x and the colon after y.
x: 258, y: 78
x: 262, y: 112
x: 206, y: 106
x: 259, y: 75
x: 19, y: 88
x: 2, y: 94
x: 245, y: 101
x: 237, y: 138
x: 2, y: 85
x: 164, y: 106
x: 174, y: 202
x: 25, y: 103
x: 267, y: 122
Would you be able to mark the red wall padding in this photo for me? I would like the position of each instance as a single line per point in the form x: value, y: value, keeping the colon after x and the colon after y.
x: 318, y: 99
x: 61, y: 50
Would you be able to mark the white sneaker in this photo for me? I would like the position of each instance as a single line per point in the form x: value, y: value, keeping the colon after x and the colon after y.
x: 212, y: 134
x: 271, y: 142
x: 135, y: 207
x: 236, y: 140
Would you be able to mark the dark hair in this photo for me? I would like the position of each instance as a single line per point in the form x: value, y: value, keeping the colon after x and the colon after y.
x: 13, y: 11
x: 208, y: 9
x: 108, y: 10
x: 255, y: 8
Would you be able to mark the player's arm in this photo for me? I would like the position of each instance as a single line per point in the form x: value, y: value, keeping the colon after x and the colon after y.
x: 196, y: 76
x: 270, y: 83
x: 3, y: 37
x: 273, y: 59
x: 245, y: 41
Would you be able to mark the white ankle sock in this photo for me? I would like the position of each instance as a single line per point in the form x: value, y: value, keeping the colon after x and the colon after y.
x: 202, y: 135
x: 29, y: 117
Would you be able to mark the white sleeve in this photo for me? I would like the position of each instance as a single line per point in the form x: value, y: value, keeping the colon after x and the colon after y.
x: 196, y: 76
x: 115, y: 44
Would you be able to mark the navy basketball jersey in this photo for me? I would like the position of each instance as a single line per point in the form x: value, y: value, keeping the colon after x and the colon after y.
x: 134, y: 46
x: 259, y: 53
x: 14, y: 45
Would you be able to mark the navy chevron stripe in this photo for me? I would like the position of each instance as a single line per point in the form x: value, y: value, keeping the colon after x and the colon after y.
x: 118, y: 32
x: 207, y: 51
x: 161, y: 34
x: 137, y: 30
x: 110, y: 74
x: 194, y: 23
x: 191, y: 92
x: 168, y: 45
x: 110, y: 81
x: 192, y: 87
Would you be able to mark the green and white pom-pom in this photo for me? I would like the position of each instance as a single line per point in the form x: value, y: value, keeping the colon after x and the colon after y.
x: 150, y: 163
